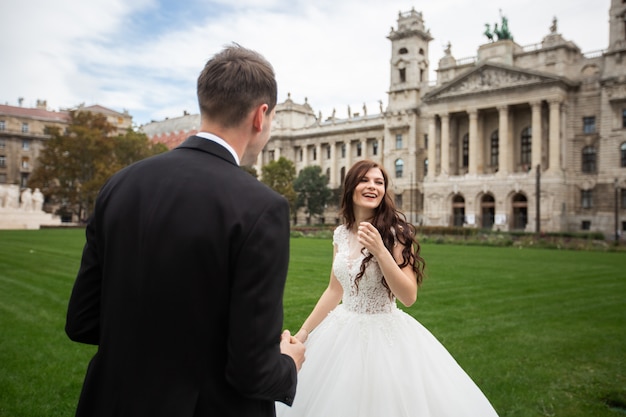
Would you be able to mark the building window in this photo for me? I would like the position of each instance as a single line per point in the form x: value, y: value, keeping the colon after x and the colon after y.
x: 623, y: 117
x: 24, y: 127
x: 495, y: 149
x: 526, y: 150
x: 25, y: 163
x: 2, y: 125
x: 3, y: 178
x: 586, y: 199
x: 399, y: 168
x: 271, y: 155
x: 623, y: 197
x: 375, y: 148
x: 403, y: 51
x: 398, y: 200
x: 402, y: 73
x: 589, y: 159
x: 358, y: 149
x: 3, y: 144
x: 623, y: 154
x: 465, y: 150
x: 300, y: 154
x: 589, y: 124
x: 25, y: 145
x: 585, y: 225
x: 426, y: 141
x: 3, y: 161
x: 315, y: 154
x: 399, y: 141
x: 343, y: 150
x: 328, y: 152
x: 425, y: 166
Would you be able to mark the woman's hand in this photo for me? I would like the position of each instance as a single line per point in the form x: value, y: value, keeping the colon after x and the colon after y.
x: 370, y: 238
x: 302, y: 335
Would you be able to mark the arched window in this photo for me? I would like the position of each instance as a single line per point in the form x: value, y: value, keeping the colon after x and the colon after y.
x: 526, y: 149
x: 623, y: 154
x: 589, y: 159
x: 465, y: 150
x: 421, y: 51
x: 458, y: 210
x: 399, y: 168
x: 520, y: 211
x: 494, y: 149
x: 488, y: 211
x: 425, y: 166
x: 403, y: 51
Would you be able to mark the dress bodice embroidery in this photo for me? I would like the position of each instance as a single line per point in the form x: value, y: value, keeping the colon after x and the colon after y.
x: 371, y: 296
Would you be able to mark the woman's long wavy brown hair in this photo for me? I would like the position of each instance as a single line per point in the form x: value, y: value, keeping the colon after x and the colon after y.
x: 390, y: 222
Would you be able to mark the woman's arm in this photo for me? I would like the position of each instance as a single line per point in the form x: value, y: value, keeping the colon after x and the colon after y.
x: 326, y: 303
x: 401, y: 281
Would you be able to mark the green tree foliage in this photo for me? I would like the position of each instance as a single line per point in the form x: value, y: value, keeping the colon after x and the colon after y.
x: 279, y: 176
x: 76, y: 163
x: 312, y: 191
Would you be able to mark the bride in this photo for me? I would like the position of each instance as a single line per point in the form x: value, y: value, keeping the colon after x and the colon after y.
x: 365, y: 357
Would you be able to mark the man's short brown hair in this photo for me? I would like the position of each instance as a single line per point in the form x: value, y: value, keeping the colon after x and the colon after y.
x: 233, y: 82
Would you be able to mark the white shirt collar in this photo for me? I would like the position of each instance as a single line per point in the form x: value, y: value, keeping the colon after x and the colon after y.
x: 217, y: 139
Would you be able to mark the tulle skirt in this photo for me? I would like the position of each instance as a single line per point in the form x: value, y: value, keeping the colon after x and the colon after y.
x: 381, y: 365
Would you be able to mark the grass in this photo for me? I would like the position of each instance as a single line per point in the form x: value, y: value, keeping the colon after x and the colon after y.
x: 542, y: 332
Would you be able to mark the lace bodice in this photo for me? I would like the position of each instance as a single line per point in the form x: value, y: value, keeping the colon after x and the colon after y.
x: 371, y: 297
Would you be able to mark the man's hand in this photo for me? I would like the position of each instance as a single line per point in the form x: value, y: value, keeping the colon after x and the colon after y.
x: 292, y: 347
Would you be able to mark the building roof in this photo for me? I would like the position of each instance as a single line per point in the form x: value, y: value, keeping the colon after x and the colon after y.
x: 35, y: 113
x: 96, y: 108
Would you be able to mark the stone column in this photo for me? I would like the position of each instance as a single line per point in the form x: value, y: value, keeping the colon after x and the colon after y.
x: 504, y: 139
x: 364, y: 148
x: 333, y: 165
x: 318, y: 150
x: 445, y: 144
x: 555, y: 136
x: 432, y: 147
x: 473, y: 142
x: 348, y: 156
x: 536, y: 134
x: 305, y: 155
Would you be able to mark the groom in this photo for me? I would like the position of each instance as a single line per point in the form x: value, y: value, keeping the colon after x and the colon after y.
x: 184, y: 266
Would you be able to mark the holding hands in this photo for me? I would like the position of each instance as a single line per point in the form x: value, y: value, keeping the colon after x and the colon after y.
x: 292, y: 347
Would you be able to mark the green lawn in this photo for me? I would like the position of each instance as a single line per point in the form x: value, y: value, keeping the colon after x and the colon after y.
x: 542, y: 332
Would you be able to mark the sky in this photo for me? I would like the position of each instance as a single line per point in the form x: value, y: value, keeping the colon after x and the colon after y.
x: 144, y: 56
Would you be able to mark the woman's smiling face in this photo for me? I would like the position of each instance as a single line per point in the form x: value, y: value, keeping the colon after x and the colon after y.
x: 370, y: 190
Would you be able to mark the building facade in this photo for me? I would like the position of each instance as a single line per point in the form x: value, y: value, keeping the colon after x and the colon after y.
x: 517, y: 138
x: 24, y: 132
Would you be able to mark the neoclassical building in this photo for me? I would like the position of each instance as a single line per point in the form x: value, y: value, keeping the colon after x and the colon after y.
x: 516, y: 138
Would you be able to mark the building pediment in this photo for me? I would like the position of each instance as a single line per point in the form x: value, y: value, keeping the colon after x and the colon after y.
x: 490, y: 77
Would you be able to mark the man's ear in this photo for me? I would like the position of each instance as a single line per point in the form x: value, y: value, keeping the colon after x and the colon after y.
x: 259, y: 117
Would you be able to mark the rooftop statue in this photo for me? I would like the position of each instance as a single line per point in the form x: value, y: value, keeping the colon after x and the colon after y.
x: 502, y: 33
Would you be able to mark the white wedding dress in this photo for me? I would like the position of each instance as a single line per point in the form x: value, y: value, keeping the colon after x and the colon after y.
x: 370, y: 359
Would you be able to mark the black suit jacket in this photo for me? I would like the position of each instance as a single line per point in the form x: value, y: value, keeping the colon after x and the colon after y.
x: 180, y: 286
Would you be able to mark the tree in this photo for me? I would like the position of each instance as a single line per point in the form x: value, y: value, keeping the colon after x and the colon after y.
x: 76, y: 163
x: 134, y: 146
x: 279, y: 176
x: 312, y: 191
